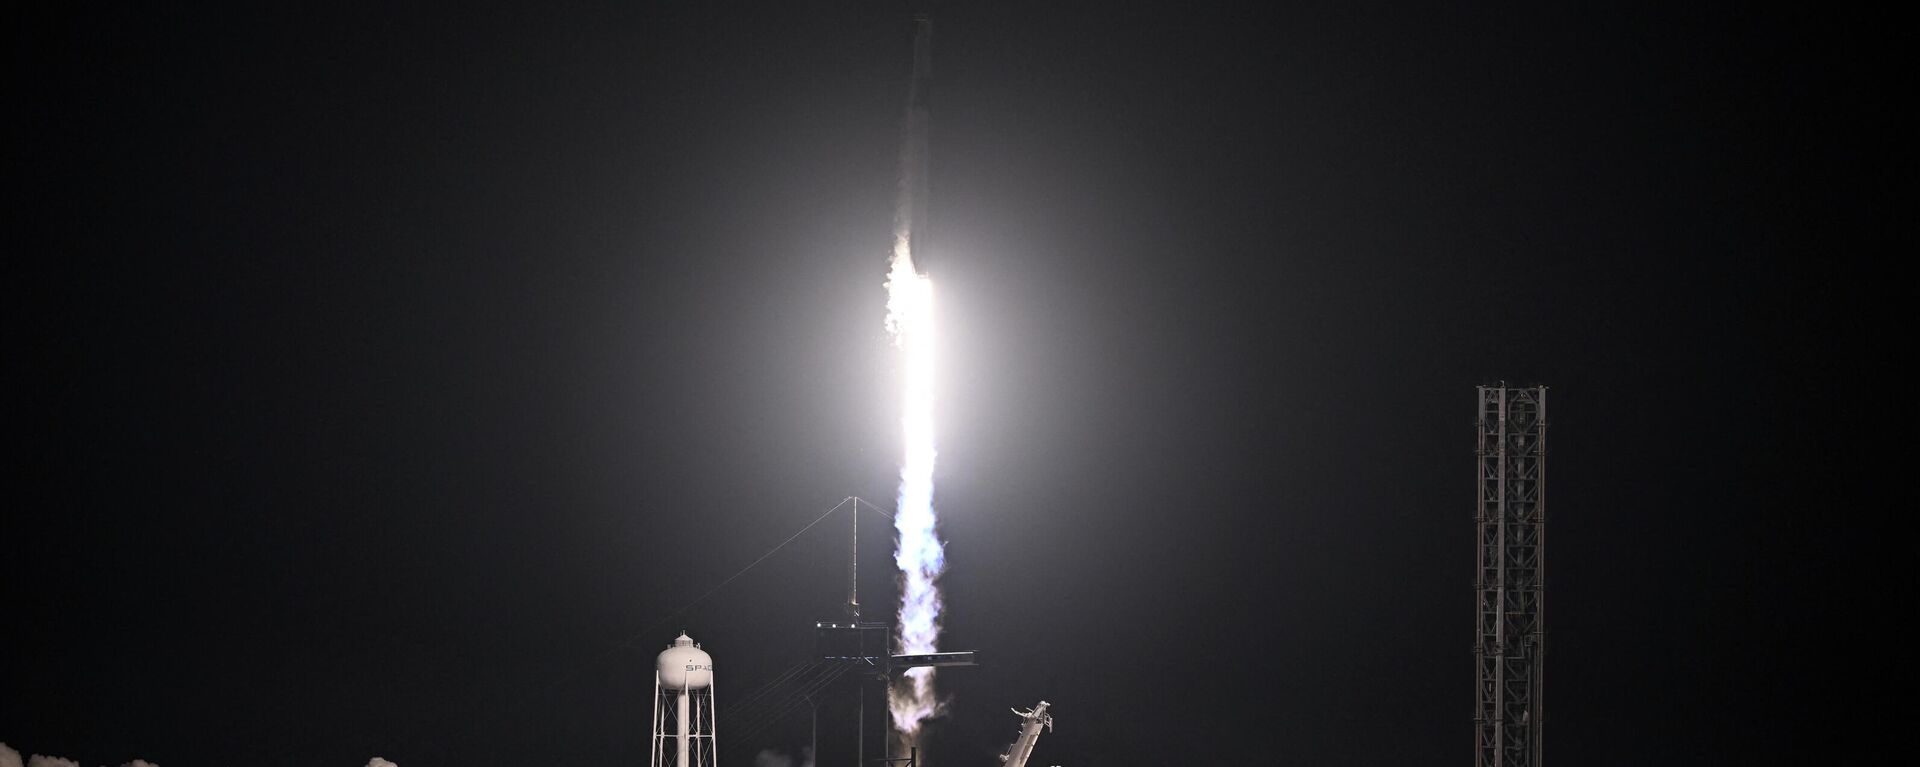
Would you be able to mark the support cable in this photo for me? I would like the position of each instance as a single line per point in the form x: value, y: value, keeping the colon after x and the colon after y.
x: 628, y: 643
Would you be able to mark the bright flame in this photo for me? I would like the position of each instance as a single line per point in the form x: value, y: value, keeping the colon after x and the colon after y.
x: 919, y: 552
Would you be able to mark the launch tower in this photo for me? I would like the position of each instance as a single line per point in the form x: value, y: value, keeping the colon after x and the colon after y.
x: 1511, y: 574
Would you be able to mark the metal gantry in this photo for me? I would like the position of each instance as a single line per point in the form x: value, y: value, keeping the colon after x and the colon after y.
x: 1511, y: 575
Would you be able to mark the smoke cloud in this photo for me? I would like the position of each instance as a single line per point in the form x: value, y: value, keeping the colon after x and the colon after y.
x: 773, y: 758
x: 11, y: 758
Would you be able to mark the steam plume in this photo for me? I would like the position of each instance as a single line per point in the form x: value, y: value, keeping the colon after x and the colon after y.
x: 773, y: 758
x: 11, y: 758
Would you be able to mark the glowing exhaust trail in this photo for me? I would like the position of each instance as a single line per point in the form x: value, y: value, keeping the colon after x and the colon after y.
x: 910, y: 318
x: 918, y: 551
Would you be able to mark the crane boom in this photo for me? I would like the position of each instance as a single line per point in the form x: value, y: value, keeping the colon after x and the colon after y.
x: 1030, y: 724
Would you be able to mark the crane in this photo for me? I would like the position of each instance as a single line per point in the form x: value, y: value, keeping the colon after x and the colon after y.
x: 1030, y: 724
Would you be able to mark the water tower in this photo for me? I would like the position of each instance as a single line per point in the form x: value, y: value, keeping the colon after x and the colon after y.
x: 683, y: 706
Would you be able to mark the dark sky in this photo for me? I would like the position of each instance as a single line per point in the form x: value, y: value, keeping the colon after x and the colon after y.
x: 377, y: 373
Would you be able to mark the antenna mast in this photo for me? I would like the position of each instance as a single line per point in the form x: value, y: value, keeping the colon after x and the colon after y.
x: 853, y: 574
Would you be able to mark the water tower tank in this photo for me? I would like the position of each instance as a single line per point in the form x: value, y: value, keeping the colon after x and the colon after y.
x: 684, y: 666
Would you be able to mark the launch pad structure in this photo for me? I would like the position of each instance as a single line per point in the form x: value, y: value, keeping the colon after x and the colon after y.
x: 843, y: 681
x: 1510, y: 578
x: 850, y: 719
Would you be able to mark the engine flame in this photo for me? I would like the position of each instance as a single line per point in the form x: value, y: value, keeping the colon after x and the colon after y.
x: 918, y: 551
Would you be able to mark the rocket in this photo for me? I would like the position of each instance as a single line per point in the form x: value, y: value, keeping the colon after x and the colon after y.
x: 910, y: 212
x: 922, y: 59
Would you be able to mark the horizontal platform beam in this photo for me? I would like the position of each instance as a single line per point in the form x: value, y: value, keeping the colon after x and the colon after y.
x: 935, y: 659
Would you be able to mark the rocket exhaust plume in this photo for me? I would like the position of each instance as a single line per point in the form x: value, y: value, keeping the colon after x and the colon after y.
x: 910, y: 319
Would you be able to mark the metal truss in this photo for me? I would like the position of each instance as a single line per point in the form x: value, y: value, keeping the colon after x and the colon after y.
x: 1510, y: 576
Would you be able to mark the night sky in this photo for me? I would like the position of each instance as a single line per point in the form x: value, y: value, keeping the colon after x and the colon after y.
x: 383, y: 378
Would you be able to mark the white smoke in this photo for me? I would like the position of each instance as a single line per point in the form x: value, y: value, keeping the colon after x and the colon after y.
x: 11, y: 758
x: 919, y: 553
x: 773, y: 758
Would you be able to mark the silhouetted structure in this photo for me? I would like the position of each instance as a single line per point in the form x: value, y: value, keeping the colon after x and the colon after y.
x: 1511, y: 576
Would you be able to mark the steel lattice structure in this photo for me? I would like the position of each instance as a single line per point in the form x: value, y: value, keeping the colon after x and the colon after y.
x: 1509, y: 582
